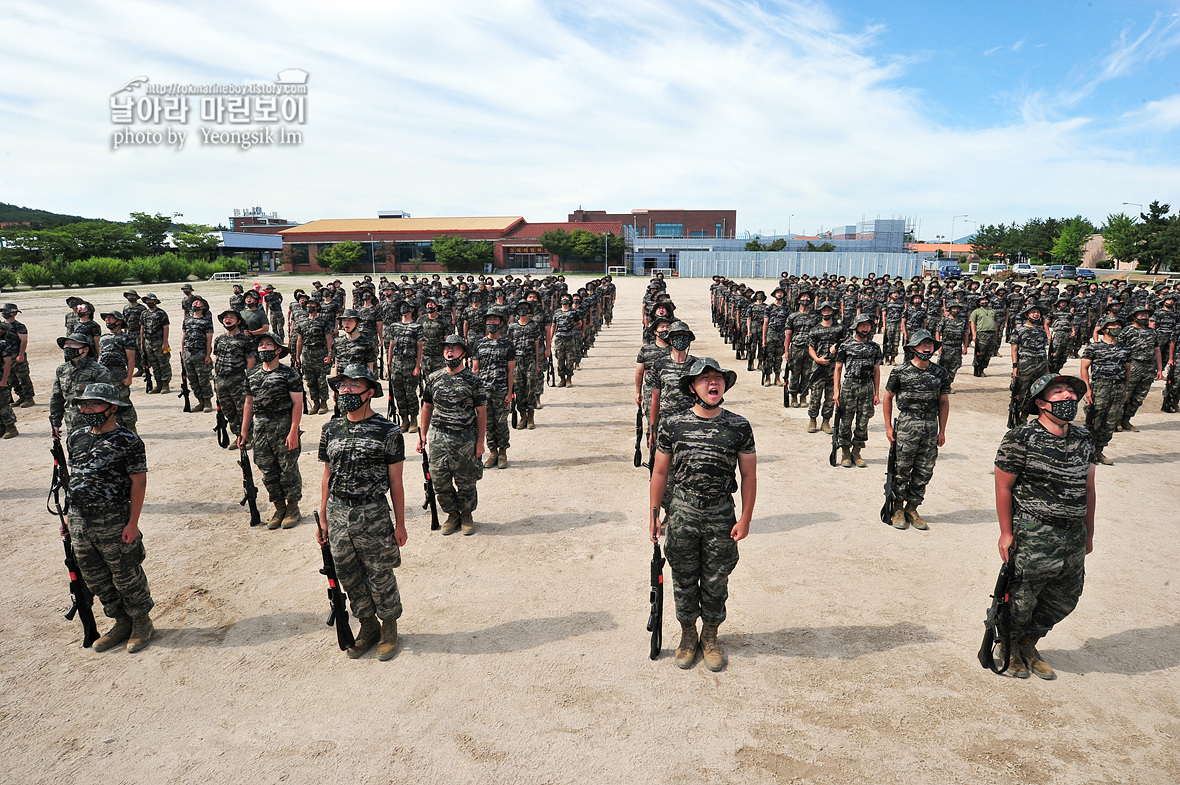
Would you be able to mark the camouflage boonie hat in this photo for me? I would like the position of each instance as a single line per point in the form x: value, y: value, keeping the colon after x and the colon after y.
x: 656, y: 321
x: 131, y: 293
x: 113, y: 315
x: 76, y: 338
x: 454, y: 339
x: 827, y: 304
x: 699, y: 366
x: 221, y: 316
x: 150, y: 296
x: 680, y: 327
x: 357, y: 371
x: 500, y: 311
x: 348, y: 313
x: 1108, y: 321
x: 919, y: 336
x: 281, y: 351
x: 188, y: 287
x: 1031, y: 307
x: 1039, y: 386
x: 100, y: 391
x: 10, y: 308
x: 861, y: 319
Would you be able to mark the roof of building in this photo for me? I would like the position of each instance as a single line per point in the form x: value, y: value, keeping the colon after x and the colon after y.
x: 386, y: 225
x: 956, y: 248
x: 533, y: 231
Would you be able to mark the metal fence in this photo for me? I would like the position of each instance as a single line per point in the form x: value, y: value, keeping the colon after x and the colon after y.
x: 763, y: 264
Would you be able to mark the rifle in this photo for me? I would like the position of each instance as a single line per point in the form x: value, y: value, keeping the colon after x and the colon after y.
x: 655, y: 618
x: 82, y: 598
x: 890, y: 505
x: 222, y: 428
x: 1013, y: 405
x: 551, y: 373
x: 835, y: 436
x: 514, y: 416
x: 251, y: 495
x: 638, y: 437
x: 184, y: 391
x: 304, y: 404
x: 147, y: 376
x: 996, y: 626
x: 1171, y: 391
x: 336, y: 597
x: 786, y: 384
x: 431, y: 502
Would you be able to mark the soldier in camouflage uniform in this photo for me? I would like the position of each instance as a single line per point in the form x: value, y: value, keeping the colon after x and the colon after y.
x: 313, y: 344
x: 664, y: 377
x: 8, y: 348
x: 985, y: 327
x: 186, y: 303
x: 133, y: 314
x: 527, y: 342
x: 363, y: 454
x: 234, y: 359
x: 196, y: 352
x: 273, y: 302
x: 156, y: 351
x: 1061, y: 333
x: 237, y: 300
x: 773, y: 332
x: 697, y: 455
x: 822, y: 342
x: 19, y: 380
x: 857, y: 385
x: 1167, y: 326
x: 71, y: 378
x: 1146, y: 363
x: 1106, y: 364
x: 117, y: 355
x: 270, y: 423
x: 891, y: 316
x: 567, y: 332
x: 435, y: 327
x: 922, y: 391
x: 797, y: 359
x: 454, y: 422
x: 952, y: 334
x: 495, y: 364
x: 1045, y: 502
x: 108, y: 480
x: 645, y: 362
x: 407, y: 343
x: 1030, y: 355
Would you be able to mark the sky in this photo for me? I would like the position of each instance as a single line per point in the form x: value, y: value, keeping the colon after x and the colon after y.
x: 799, y: 115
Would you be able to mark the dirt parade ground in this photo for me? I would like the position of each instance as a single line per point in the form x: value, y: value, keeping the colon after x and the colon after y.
x: 523, y: 656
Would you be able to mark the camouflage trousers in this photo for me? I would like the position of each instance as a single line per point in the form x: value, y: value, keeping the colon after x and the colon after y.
x: 1049, y: 572
x: 1171, y: 390
x: 454, y: 470
x: 403, y: 386
x: 1106, y: 413
x: 564, y: 355
x: 111, y: 568
x: 1027, y: 372
x: 7, y: 415
x: 1139, y: 379
x: 279, y: 466
x: 432, y: 363
x: 315, y: 372
x: 497, y: 427
x: 772, y: 355
x: 798, y: 369
x: 524, y: 386
x: 951, y: 359
x: 890, y: 340
x: 821, y: 395
x: 917, y: 450
x: 159, y: 362
x: 537, y: 373
x: 986, y: 344
x: 231, y: 398
x: 366, y: 553
x: 199, y: 375
x: 19, y: 379
x: 856, y: 405
x: 702, y: 554
x: 277, y: 324
x: 1059, y: 348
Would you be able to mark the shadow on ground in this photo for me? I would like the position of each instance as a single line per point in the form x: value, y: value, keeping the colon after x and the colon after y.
x: 841, y: 642
x: 549, y: 522
x: 1130, y: 652
x: 250, y: 631
x: 510, y: 636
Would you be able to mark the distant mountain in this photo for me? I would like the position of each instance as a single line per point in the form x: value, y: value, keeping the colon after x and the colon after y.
x: 11, y: 215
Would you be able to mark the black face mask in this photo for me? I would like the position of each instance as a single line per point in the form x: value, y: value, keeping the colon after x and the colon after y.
x: 827, y: 317
x: 350, y: 402
x: 1141, y: 320
x: 493, y: 329
x: 864, y: 334
x: 1034, y: 319
x: 924, y: 354
x: 662, y: 335
x: 1064, y: 410
x: 680, y: 342
x: 454, y: 362
x: 95, y: 419
x: 266, y: 355
x: 72, y: 354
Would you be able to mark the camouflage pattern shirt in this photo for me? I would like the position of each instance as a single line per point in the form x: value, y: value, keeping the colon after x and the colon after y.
x: 101, y: 465
x: 112, y: 353
x: 776, y: 320
x: 405, y: 338
x: 918, y: 391
x: 859, y: 359
x: 494, y: 354
x: 455, y: 397
x: 1141, y: 342
x: 894, y: 311
x: 952, y: 331
x: 1031, y: 343
x: 705, y: 452
x: 915, y: 318
x: 800, y: 323
x: 525, y: 338
x: 346, y: 351
x: 314, y: 332
x: 649, y: 353
x: 231, y: 352
x: 826, y: 339
x: 1061, y: 320
x: 665, y: 376
x: 272, y: 390
x: 1107, y: 360
x: 195, y: 329
x: 567, y: 323
x: 72, y: 379
x: 1050, y: 471
x: 433, y: 333
x: 153, y: 323
x: 359, y: 455
x: 133, y: 315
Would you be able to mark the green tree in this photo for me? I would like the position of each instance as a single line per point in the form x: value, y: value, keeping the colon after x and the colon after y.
x: 1120, y: 236
x: 1068, y: 247
x: 341, y: 256
x: 824, y: 247
x: 196, y: 241
x: 756, y: 245
x: 991, y: 241
x: 1159, y: 239
x: 557, y: 241
x: 151, y: 232
x: 459, y: 254
x: 777, y: 245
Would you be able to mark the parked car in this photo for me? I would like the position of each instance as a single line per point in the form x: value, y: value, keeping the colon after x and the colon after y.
x: 1059, y: 271
x: 997, y: 267
x: 1023, y: 270
x: 951, y: 271
x: 1087, y: 273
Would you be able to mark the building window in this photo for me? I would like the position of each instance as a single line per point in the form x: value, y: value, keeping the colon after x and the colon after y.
x: 670, y: 230
x: 716, y: 230
x: 701, y: 233
x: 643, y: 231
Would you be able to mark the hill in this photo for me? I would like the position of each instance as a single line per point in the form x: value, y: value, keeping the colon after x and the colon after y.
x: 11, y: 214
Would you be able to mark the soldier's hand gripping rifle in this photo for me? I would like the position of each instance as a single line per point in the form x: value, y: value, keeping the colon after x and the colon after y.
x: 551, y: 372
x: 835, y: 435
x: 336, y: 597
x: 514, y: 407
x: 82, y: 598
x: 996, y: 627
x: 638, y: 437
x: 251, y: 490
x: 1014, y: 405
x: 184, y: 391
x: 655, y: 617
x: 891, y: 500
x: 431, y: 502
x: 147, y: 376
x: 222, y: 428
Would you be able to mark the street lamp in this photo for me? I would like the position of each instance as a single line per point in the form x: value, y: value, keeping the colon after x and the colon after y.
x: 1137, y: 205
x: 789, y: 217
x: 372, y: 256
x: 950, y: 240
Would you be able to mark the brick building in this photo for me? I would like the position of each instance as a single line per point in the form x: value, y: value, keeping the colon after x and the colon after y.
x: 666, y: 223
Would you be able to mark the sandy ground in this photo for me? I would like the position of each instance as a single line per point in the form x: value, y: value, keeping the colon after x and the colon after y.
x: 524, y: 656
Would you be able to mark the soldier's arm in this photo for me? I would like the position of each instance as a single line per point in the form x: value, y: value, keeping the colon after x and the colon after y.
x: 1004, y: 483
x: 5, y: 372
x: 247, y: 420
x: 321, y: 532
x: 397, y: 492
x: 660, y: 462
x: 481, y: 427
x: 138, y: 491
x: 208, y: 347
x: 1090, y: 501
x: 511, y: 380
x: 748, y: 468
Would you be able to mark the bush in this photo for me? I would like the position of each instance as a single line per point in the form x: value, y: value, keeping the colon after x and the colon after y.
x: 7, y: 279
x: 173, y: 268
x: 145, y: 269
x: 231, y: 264
x: 35, y: 275
x: 71, y: 274
x: 201, y: 269
x: 101, y: 270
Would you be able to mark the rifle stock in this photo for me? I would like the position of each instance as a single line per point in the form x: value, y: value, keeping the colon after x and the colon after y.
x: 251, y: 490
x: 655, y: 618
x: 147, y: 376
x: 82, y: 599
x: 338, y: 616
x: 890, y: 505
x: 221, y: 428
x: 184, y: 391
x: 996, y: 625
x: 1014, y: 405
x: 431, y: 502
x: 638, y: 437
x: 515, y: 419
x: 835, y: 435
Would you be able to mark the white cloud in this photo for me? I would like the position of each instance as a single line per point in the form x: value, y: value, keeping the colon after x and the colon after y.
x: 530, y: 108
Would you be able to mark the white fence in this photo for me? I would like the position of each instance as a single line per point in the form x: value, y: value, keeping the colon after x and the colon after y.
x: 769, y: 264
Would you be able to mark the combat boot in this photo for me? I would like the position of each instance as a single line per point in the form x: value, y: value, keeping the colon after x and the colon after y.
x: 502, y: 459
x: 413, y: 424
x: 276, y: 520
x: 141, y: 632
x: 1126, y: 426
x: 115, y: 635
x: 27, y: 402
x: 200, y: 407
x: 911, y: 514
x: 858, y: 461
x: 826, y: 427
x: 162, y: 388
x: 777, y: 383
x: 811, y: 426
x: 529, y: 421
x: 569, y: 381
x: 1016, y: 667
x: 208, y: 404
x: 451, y: 524
x: 369, y: 634
x: 1032, y: 658
x: 490, y: 461
x: 467, y: 523
x: 388, y: 645
x: 686, y: 652
x: 845, y: 458
x: 1102, y: 459
x: 291, y: 518
x: 10, y: 432
x: 899, y: 520
x: 710, y: 648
